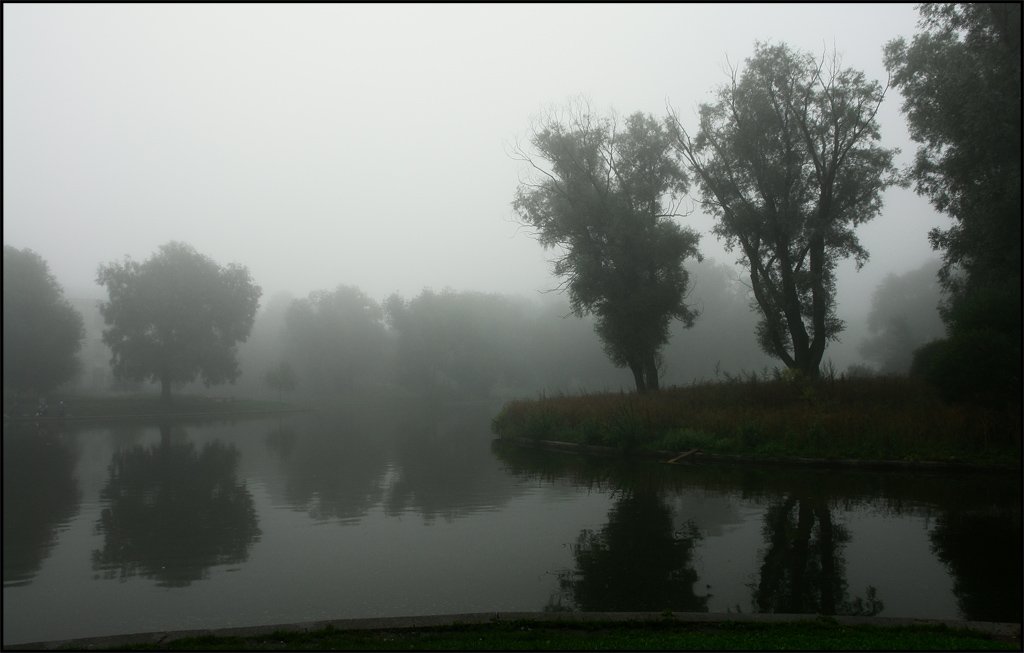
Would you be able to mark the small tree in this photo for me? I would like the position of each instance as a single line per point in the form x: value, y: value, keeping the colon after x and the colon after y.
x: 176, y: 317
x: 281, y: 378
x: 787, y: 162
x: 42, y: 331
x: 602, y: 204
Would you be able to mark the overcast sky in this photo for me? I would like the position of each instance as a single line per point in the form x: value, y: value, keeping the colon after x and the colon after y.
x: 370, y: 145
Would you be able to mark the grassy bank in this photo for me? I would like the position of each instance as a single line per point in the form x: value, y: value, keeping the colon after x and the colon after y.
x: 870, y: 419
x: 120, y: 406
x: 578, y: 636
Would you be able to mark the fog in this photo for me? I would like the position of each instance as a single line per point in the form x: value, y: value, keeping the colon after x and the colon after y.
x: 370, y: 146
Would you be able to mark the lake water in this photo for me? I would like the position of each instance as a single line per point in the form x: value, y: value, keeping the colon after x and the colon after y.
x: 412, y: 509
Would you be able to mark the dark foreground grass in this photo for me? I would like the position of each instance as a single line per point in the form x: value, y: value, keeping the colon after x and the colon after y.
x: 870, y: 419
x: 598, y: 636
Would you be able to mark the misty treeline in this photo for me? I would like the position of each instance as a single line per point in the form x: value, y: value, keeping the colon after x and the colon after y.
x: 457, y: 344
x: 787, y: 158
x: 451, y: 344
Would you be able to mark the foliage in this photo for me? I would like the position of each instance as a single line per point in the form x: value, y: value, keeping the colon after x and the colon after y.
x: 961, y: 82
x: 337, y: 337
x: 176, y: 317
x: 881, y: 418
x: 464, y: 342
x: 601, y: 205
x: 42, y: 331
x: 281, y: 378
x: 787, y: 163
x: 904, y: 315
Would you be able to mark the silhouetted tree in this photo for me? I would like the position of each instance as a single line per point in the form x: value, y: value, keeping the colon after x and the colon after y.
x: 42, y: 331
x: 602, y: 204
x: 961, y: 83
x: 787, y: 162
x: 176, y: 317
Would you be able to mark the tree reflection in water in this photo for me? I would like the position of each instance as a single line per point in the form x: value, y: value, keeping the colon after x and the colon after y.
x: 40, y: 494
x: 636, y: 562
x: 803, y: 570
x: 335, y: 472
x: 173, y: 512
x: 981, y: 546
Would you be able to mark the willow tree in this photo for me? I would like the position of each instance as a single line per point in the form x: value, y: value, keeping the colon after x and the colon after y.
x: 604, y: 201
x: 788, y: 162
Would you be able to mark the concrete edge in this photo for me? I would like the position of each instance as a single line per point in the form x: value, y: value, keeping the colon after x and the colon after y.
x: 1007, y: 632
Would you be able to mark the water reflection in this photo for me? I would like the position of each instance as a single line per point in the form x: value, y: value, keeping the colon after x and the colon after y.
x: 336, y: 471
x: 173, y: 511
x: 981, y: 546
x: 973, y: 522
x: 40, y: 494
x: 637, y: 561
x: 443, y: 466
x: 803, y: 570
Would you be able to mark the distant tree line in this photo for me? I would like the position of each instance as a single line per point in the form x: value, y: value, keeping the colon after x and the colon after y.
x: 787, y: 160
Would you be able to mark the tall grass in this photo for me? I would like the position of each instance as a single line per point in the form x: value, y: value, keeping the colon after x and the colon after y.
x: 882, y: 418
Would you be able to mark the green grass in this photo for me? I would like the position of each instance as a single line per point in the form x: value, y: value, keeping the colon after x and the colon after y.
x: 869, y: 419
x: 579, y: 636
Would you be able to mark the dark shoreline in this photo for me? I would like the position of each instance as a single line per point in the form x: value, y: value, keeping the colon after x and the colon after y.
x: 700, y: 456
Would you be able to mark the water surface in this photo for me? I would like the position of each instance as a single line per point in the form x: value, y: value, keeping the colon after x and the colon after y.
x: 411, y: 509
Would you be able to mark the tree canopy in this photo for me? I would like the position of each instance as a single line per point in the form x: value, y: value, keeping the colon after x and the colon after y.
x: 176, y: 317
x: 961, y: 83
x: 42, y: 331
x: 337, y: 337
x: 788, y: 163
x: 602, y: 203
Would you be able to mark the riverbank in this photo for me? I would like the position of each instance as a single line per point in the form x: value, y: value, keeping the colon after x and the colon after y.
x: 577, y: 631
x: 883, y: 420
x: 84, y: 408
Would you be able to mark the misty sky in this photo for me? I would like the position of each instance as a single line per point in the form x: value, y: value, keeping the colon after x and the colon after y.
x: 368, y: 144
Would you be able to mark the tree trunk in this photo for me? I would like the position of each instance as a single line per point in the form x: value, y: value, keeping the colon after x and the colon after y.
x: 638, y: 377
x: 651, y: 373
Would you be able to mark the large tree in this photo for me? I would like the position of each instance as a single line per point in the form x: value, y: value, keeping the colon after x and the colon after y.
x: 176, y: 317
x: 961, y: 82
x: 601, y: 202
x: 42, y: 331
x: 788, y: 163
